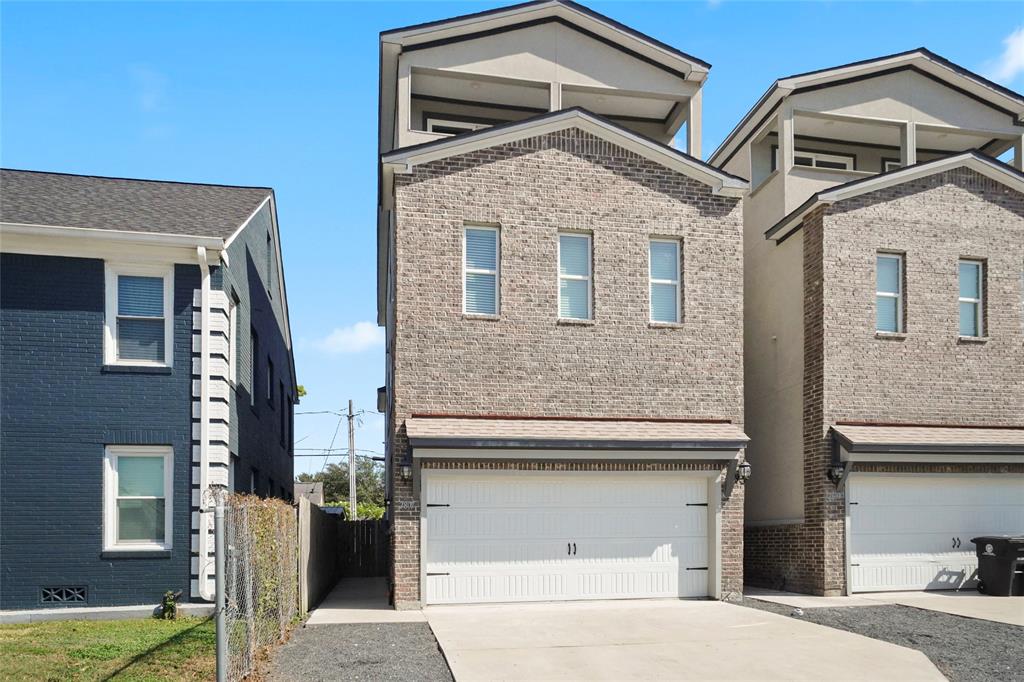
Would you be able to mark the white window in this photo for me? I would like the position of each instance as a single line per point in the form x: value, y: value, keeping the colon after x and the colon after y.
x: 819, y: 160
x: 971, y: 292
x: 139, y: 306
x: 889, y: 292
x: 890, y: 165
x: 137, y: 497
x: 453, y: 126
x: 575, y: 294
x: 481, y: 290
x: 664, y: 280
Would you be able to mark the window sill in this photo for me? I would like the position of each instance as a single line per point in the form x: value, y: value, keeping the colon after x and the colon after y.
x: 478, y: 316
x: 135, y: 369
x: 665, y: 325
x: 972, y: 339
x: 108, y: 554
x: 892, y: 336
x: 569, y: 322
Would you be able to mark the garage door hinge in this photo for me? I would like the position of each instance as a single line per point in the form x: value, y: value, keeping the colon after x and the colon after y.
x: 853, y: 503
x: 438, y: 505
x: 430, y: 574
x: 854, y: 565
x: 696, y: 504
x: 696, y: 568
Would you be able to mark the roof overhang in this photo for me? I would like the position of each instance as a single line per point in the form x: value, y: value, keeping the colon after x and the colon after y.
x: 982, y: 164
x: 928, y: 444
x: 721, y: 183
x: 921, y: 59
x: 470, y: 437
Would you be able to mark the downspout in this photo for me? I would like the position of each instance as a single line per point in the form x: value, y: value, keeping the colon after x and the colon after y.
x: 204, y: 420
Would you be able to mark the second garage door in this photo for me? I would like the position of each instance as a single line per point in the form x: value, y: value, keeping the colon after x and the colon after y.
x: 504, y: 536
x: 913, y: 531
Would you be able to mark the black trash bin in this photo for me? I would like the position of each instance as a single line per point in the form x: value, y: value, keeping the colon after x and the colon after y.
x: 1000, y: 564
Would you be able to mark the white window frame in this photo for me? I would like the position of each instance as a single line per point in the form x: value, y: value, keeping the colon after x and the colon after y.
x: 815, y: 156
x: 889, y: 165
x: 466, y: 270
x: 111, y: 272
x: 675, y: 282
x: 110, y: 457
x: 468, y: 126
x: 900, y: 325
x: 589, y: 277
x: 979, y: 315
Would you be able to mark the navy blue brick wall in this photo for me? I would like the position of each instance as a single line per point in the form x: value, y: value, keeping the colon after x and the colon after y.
x: 256, y: 425
x: 59, y: 409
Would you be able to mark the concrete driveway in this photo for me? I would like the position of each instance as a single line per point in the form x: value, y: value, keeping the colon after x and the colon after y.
x: 668, y: 639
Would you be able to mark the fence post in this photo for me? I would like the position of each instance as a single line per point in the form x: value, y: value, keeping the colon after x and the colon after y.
x: 220, y: 580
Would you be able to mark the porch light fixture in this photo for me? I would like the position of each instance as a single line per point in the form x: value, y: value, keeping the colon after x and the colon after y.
x: 835, y: 473
x: 743, y: 472
x: 405, y: 470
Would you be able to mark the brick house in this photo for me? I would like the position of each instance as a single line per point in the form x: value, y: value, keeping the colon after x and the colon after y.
x: 884, y: 324
x: 561, y: 291
x: 118, y: 410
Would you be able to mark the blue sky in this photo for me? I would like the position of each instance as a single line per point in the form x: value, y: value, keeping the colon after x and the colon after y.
x: 284, y: 94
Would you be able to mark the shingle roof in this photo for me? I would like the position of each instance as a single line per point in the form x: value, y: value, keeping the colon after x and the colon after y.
x: 571, y: 433
x: 930, y: 438
x: 157, y: 207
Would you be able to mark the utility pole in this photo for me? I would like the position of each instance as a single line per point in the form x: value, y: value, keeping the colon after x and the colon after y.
x: 353, y: 514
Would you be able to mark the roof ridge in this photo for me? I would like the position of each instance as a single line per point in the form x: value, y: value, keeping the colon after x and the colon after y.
x: 125, y: 179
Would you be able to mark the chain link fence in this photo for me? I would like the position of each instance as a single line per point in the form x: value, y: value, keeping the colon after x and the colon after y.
x: 261, y: 587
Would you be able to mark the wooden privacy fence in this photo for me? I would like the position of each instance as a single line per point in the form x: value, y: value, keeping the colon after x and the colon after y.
x: 319, y: 557
x: 363, y: 548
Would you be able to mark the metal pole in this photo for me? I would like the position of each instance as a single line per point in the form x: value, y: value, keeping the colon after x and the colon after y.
x: 220, y: 580
x: 353, y: 514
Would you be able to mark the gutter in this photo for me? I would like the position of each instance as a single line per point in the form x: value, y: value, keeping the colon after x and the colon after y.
x: 204, y: 420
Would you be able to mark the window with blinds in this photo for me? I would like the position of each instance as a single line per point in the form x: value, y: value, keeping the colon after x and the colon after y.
x: 664, y: 280
x: 137, y: 497
x: 889, y: 292
x: 574, y: 276
x: 971, y: 298
x: 138, y: 302
x: 481, y: 263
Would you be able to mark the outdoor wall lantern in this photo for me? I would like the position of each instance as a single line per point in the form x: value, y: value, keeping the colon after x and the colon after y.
x: 405, y: 470
x: 743, y: 472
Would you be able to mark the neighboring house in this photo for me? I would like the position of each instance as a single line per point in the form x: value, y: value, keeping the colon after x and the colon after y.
x: 561, y: 292
x: 884, y: 324
x: 314, y: 492
x: 117, y: 415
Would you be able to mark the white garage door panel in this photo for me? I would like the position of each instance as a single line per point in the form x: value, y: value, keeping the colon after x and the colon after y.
x: 529, y: 536
x: 913, y: 532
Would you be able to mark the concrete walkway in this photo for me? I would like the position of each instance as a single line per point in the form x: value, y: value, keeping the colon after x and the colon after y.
x: 670, y: 639
x: 360, y: 600
x: 967, y: 603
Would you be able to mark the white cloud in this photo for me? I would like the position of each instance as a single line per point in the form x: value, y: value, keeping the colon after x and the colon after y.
x: 352, y: 339
x: 1010, y: 64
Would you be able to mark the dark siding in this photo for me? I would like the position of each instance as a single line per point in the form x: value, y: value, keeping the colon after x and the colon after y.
x: 59, y: 410
x: 255, y: 424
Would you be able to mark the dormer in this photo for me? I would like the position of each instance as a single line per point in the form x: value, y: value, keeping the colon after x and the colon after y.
x: 817, y: 130
x: 501, y: 66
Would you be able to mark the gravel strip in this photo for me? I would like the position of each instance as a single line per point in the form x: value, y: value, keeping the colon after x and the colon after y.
x: 404, y: 652
x: 963, y: 649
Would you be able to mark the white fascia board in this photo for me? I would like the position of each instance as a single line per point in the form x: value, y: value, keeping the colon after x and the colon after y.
x: 403, y: 161
x: 151, y: 238
x: 590, y: 455
x: 520, y: 15
x: 75, y: 242
x: 989, y: 168
x: 930, y: 458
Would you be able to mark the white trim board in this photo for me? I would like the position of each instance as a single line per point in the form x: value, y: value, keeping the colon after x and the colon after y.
x: 721, y: 183
x: 980, y: 163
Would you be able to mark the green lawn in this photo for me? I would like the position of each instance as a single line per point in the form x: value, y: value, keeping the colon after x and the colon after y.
x: 147, y: 649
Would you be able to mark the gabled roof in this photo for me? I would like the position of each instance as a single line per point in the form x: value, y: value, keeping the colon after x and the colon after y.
x: 975, y: 160
x: 918, y: 438
x: 402, y: 160
x: 922, y: 60
x: 33, y: 198
x: 566, y: 12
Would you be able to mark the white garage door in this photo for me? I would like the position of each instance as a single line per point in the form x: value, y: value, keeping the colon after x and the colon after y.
x: 913, y: 532
x: 541, y: 536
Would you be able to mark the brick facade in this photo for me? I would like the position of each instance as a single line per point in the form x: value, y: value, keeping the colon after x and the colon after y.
x: 524, y: 362
x: 927, y: 375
